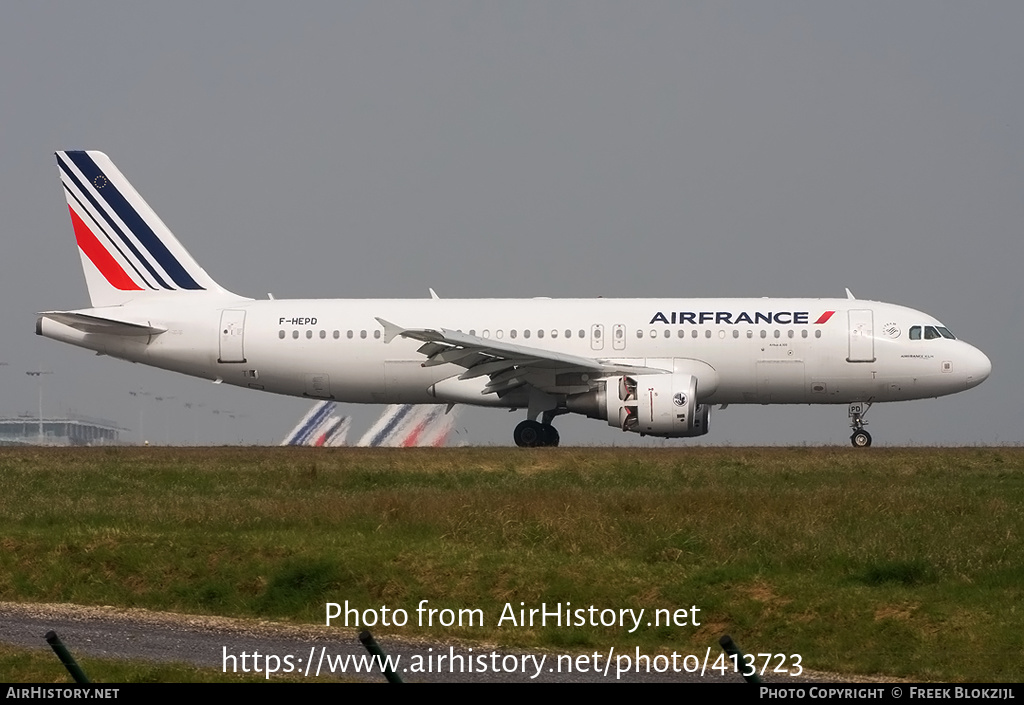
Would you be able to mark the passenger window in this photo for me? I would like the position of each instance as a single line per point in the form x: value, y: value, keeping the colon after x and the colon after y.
x: 707, y: 333
x: 639, y: 334
x: 803, y: 333
x: 750, y: 333
x: 764, y: 334
x: 694, y: 333
x: 337, y: 334
x: 376, y: 335
x: 323, y: 334
x: 512, y: 333
x: 295, y: 335
x: 817, y: 334
x: 526, y: 333
x: 349, y: 335
x: 735, y: 333
x: 281, y: 335
x: 540, y: 334
x: 668, y: 333
x: 362, y: 334
x: 790, y: 333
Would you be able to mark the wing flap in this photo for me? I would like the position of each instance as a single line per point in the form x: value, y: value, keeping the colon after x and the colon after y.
x: 508, y: 365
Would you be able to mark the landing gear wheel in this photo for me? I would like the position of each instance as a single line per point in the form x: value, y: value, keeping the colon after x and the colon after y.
x: 529, y: 434
x: 860, y: 439
x: 550, y: 435
x: 533, y: 434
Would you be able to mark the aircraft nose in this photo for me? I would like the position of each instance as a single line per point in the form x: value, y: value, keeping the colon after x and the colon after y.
x: 978, y: 367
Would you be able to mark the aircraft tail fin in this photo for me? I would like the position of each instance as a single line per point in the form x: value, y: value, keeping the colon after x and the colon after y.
x: 127, y: 251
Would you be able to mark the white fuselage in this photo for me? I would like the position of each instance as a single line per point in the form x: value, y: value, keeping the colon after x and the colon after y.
x: 743, y: 351
x: 649, y: 366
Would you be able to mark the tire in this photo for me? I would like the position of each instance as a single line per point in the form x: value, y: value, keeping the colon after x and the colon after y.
x: 529, y: 434
x: 860, y: 439
x: 549, y: 434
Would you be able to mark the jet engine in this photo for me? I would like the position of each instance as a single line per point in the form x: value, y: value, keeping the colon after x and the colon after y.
x: 651, y: 405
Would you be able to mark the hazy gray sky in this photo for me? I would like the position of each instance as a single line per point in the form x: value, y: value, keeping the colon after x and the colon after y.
x: 524, y: 149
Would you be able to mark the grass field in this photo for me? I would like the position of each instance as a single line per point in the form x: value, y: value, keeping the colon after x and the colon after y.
x: 881, y: 561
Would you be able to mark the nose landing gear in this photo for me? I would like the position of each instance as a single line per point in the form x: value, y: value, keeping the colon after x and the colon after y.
x: 860, y: 437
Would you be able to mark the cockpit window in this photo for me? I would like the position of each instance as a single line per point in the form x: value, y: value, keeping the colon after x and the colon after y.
x: 931, y: 333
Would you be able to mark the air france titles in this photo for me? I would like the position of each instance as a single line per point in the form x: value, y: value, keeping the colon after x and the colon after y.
x: 730, y: 318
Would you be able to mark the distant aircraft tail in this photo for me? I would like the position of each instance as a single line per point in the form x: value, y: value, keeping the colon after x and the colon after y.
x: 320, y: 428
x: 308, y: 426
x: 127, y: 251
x: 409, y: 426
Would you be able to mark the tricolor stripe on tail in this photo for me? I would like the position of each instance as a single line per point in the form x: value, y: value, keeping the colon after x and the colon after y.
x: 127, y: 251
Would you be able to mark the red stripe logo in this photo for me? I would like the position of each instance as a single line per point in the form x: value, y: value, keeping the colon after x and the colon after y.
x: 824, y: 317
x: 99, y: 256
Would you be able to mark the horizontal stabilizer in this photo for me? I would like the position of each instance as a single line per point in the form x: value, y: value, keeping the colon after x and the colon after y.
x: 98, y: 324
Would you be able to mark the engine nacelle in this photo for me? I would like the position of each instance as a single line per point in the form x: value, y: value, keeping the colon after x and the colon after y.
x: 651, y: 405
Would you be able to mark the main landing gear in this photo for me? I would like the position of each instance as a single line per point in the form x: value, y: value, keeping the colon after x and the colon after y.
x: 860, y: 437
x: 535, y: 434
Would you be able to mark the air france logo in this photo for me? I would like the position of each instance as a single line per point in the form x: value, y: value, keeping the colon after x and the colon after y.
x: 731, y: 318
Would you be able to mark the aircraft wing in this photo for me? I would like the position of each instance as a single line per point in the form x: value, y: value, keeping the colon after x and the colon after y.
x: 508, y: 365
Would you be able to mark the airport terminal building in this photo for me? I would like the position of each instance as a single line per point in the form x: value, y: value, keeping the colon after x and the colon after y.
x: 71, y: 430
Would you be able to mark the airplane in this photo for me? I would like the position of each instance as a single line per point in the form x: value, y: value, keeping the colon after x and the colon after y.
x: 320, y: 427
x: 649, y: 366
x: 400, y: 426
x: 410, y: 426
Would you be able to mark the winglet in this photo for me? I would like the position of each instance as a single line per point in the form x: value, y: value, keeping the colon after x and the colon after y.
x: 433, y: 294
x: 849, y: 294
x: 390, y: 329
